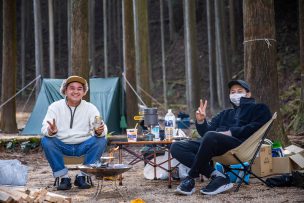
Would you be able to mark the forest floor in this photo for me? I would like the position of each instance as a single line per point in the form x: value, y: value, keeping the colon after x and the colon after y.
x: 136, y: 186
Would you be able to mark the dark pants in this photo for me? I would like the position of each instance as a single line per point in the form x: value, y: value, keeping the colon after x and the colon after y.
x: 197, y: 154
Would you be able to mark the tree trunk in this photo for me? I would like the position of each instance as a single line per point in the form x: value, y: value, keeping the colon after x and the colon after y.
x: 221, y: 61
x: 226, y: 52
x: 22, y: 41
x: 92, y: 37
x: 232, y: 27
x: 38, y: 44
x: 105, y: 38
x: 299, y: 119
x: 162, y: 32
x: 141, y: 29
x: 129, y: 60
x: 190, y: 41
x: 171, y: 21
x: 69, y: 37
x: 51, y: 37
x: 79, y: 48
x: 212, y: 57
x: 119, y: 34
x: 260, y: 58
x: 9, y: 64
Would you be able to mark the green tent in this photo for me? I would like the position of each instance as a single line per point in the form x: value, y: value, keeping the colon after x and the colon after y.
x: 105, y: 94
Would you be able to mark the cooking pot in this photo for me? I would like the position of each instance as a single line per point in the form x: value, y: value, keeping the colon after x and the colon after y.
x: 150, y: 116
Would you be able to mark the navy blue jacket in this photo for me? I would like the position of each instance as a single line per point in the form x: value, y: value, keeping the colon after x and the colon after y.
x: 242, y: 121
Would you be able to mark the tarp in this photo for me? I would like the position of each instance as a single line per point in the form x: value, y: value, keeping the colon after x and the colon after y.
x: 105, y: 94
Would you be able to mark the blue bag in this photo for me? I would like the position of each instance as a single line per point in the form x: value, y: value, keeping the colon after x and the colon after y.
x: 232, y: 177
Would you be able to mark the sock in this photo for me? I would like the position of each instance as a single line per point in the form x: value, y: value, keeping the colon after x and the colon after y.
x: 82, y: 174
x: 217, y: 173
x: 65, y: 176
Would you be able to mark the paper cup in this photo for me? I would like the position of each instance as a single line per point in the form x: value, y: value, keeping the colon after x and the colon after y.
x: 132, y: 135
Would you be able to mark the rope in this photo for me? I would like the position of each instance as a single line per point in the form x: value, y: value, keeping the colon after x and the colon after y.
x: 161, y: 105
x: 267, y: 41
x: 19, y: 91
x: 151, y: 97
x: 123, y: 74
x: 28, y: 99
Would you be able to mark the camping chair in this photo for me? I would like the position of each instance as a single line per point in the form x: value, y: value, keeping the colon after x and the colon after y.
x: 246, y: 152
x: 71, y: 163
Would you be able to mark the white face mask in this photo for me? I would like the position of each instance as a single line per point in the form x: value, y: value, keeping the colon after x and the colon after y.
x: 236, y: 97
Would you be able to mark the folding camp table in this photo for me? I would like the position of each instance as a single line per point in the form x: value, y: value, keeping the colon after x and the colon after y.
x: 165, y: 145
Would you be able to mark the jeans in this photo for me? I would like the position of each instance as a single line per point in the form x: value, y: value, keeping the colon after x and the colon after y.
x: 55, y: 149
x: 197, y: 155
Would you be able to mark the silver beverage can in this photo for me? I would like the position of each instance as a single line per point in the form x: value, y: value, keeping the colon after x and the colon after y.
x: 97, y: 121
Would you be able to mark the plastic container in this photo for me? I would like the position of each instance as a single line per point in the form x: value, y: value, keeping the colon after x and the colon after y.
x: 132, y: 135
x: 169, y: 124
x: 155, y: 131
x: 277, y: 150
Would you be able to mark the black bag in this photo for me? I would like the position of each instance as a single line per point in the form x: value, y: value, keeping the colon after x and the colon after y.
x: 287, y: 180
x: 298, y: 179
x: 280, y: 181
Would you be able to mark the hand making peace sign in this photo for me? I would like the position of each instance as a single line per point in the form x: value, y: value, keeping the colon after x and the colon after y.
x: 52, y: 129
x: 201, y: 111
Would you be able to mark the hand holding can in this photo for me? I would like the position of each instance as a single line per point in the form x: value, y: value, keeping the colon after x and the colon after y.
x: 97, y: 122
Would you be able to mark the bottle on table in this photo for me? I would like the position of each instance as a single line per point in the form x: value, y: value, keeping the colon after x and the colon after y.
x: 169, y: 125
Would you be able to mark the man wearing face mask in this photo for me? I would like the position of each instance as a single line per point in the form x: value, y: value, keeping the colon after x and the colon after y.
x: 225, y: 131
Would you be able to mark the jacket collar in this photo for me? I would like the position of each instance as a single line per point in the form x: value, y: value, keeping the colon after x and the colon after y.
x: 244, y: 101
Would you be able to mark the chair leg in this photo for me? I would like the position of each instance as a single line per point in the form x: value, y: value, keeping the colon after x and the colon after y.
x: 258, y: 177
x: 89, y: 180
x: 56, y: 183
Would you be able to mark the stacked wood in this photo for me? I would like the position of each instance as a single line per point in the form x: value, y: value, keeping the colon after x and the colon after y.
x: 22, y: 195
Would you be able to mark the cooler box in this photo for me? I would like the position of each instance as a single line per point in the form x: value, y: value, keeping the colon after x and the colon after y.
x: 183, y: 123
x: 232, y: 177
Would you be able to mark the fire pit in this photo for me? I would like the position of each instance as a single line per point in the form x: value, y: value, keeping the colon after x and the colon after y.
x: 105, y: 170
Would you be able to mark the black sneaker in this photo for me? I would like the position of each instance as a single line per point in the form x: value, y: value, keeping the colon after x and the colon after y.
x: 186, y: 187
x: 81, y: 182
x: 65, y: 184
x: 218, y: 184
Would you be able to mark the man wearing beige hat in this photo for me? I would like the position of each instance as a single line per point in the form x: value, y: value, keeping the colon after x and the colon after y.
x: 68, y: 129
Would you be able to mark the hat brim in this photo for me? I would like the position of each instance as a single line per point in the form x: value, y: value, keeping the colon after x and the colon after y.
x: 76, y: 79
x: 240, y: 83
x: 233, y: 82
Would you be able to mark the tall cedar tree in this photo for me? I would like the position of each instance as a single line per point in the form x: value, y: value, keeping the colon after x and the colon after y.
x: 80, y: 40
x: 260, y: 58
x: 9, y: 63
x: 190, y: 41
x: 142, y: 47
x: 129, y: 59
x: 298, y: 121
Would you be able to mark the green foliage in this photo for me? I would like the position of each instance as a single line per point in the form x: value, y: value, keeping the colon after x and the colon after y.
x: 298, y: 122
x: 292, y: 110
x: 24, y: 146
x: 109, y: 134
